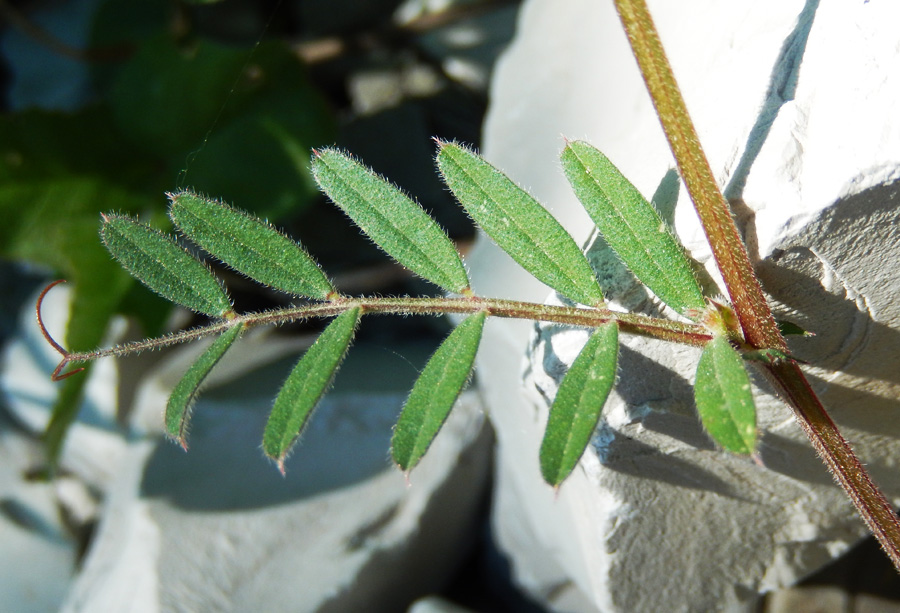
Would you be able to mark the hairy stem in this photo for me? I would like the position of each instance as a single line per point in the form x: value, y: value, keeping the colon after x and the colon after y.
x: 663, y: 329
x: 743, y: 287
x: 728, y: 250
x: 875, y: 509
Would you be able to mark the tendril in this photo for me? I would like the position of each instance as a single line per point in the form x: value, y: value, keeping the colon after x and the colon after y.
x: 66, y: 356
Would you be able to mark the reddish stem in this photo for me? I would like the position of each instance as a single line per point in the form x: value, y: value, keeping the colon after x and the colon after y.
x: 56, y: 376
x: 749, y: 302
x: 875, y: 509
x: 750, y: 305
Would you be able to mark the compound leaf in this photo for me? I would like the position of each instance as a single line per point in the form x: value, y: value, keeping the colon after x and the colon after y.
x: 185, y: 392
x: 578, y: 404
x: 249, y: 245
x: 518, y: 224
x: 306, y: 384
x: 724, y: 398
x: 390, y: 218
x: 435, y: 392
x: 158, y: 262
x: 632, y: 227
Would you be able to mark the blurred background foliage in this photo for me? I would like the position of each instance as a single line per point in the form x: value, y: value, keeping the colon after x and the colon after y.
x: 108, y: 104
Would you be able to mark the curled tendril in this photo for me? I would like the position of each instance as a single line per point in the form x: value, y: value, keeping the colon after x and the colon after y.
x: 66, y: 356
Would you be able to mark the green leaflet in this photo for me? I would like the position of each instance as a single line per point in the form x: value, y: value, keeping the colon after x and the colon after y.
x: 249, y: 245
x: 578, y: 404
x: 435, y: 391
x: 632, y: 227
x: 178, y: 407
x: 518, y: 224
x: 391, y: 219
x: 306, y: 384
x: 788, y: 328
x: 724, y: 398
x: 158, y: 262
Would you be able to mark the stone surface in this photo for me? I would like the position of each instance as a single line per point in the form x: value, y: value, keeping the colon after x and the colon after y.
x: 800, y: 132
x: 218, y: 528
x: 37, y: 554
x: 810, y: 600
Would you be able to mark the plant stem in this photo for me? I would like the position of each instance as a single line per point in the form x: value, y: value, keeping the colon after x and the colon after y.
x: 690, y: 334
x: 747, y: 297
x: 875, y: 509
x: 746, y: 294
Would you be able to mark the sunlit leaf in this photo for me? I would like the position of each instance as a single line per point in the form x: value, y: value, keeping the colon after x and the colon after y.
x: 390, y: 218
x: 435, y: 392
x: 178, y: 407
x: 724, y: 397
x: 306, y: 384
x: 518, y: 224
x: 632, y: 227
x: 249, y: 245
x: 578, y: 404
x: 158, y: 262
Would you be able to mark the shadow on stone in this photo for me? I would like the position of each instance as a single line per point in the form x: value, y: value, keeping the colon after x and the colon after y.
x: 631, y: 457
x: 346, y: 442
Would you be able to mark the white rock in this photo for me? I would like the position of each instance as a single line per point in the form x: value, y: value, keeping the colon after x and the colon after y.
x: 37, y: 554
x: 655, y: 518
x: 218, y: 529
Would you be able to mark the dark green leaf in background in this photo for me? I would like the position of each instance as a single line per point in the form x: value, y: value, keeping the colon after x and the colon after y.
x: 170, y: 109
x: 306, y: 384
x: 518, y: 224
x: 269, y: 141
x: 578, y: 404
x: 166, y: 98
x: 124, y: 23
x: 632, y: 227
x: 724, y: 397
x: 435, y: 392
x: 237, y: 122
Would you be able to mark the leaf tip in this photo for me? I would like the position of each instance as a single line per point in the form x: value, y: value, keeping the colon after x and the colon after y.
x: 402, y: 464
x: 552, y: 477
